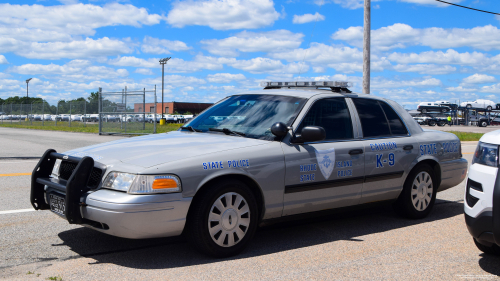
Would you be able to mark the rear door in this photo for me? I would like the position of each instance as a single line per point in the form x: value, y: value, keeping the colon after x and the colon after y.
x: 326, y: 174
x: 389, y: 149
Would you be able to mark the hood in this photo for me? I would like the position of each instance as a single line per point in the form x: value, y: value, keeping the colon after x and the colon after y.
x: 152, y: 150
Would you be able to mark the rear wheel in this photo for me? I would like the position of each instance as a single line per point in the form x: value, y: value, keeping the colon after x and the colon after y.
x: 223, y: 220
x: 492, y: 250
x: 432, y: 123
x: 469, y: 106
x: 441, y: 123
x: 444, y: 110
x: 489, y: 108
x: 419, y: 193
x: 424, y: 110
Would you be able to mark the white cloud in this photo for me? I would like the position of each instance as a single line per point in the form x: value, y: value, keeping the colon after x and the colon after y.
x: 402, y: 35
x: 78, y: 19
x: 88, y: 48
x: 479, y: 79
x: 225, y: 77
x: 223, y: 14
x: 3, y: 60
x: 430, y: 69
x: 135, y: 62
x: 460, y: 89
x: 431, y: 2
x: 491, y: 89
x: 74, y: 70
x: 382, y: 83
x: 144, y: 71
x: 271, y: 41
x: 308, y: 18
x: 440, y: 57
x: 321, y: 54
x: 152, y: 45
x: 175, y: 80
x: 266, y: 65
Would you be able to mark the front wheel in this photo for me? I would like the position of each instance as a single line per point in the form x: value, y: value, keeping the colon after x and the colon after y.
x: 223, y: 219
x: 424, y: 110
x: 444, y: 110
x: 432, y: 123
x: 489, y: 108
x: 419, y: 193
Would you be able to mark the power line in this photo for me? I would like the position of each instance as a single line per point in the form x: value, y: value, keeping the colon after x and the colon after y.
x: 467, y: 7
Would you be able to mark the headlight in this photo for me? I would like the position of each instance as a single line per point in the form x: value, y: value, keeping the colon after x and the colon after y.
x: 486, y: 154
x: 142, y: 184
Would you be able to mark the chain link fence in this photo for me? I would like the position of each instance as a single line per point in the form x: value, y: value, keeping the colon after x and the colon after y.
x: 128, y: 112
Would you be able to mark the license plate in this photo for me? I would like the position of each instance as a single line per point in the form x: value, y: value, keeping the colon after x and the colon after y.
x: 57, y: 204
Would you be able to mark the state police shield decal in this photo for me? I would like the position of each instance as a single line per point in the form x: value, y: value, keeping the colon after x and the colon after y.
x: 326, y: 161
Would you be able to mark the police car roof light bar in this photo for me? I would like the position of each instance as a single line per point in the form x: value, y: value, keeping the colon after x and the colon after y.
x: 342, y: 84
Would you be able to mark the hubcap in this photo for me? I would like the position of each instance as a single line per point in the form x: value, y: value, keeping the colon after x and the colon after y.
x: 421, y: 191
x: 229, y: 219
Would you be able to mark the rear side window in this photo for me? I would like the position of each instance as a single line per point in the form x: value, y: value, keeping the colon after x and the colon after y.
x: 395, y: 124
x: 378, y: 119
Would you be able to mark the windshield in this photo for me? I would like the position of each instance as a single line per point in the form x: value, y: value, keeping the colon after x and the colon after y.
x: 251, y: 115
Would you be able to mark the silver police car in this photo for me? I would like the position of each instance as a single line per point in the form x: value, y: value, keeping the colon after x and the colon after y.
x: 292, y: 148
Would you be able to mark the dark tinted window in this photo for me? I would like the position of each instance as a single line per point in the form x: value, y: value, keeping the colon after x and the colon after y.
x: 372, y: 117
x: 395, y: 123
x: 331, y: 114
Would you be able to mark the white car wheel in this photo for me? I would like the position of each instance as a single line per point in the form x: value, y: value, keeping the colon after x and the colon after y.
x: 229, y: 219
x: 421, y: 191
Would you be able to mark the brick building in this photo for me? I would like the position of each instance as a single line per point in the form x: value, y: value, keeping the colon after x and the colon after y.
x: 171, y: 107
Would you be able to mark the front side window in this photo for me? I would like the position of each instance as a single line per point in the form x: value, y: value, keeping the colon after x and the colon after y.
x: 378, y: 119
x: 331, y: 114
x: 251, y: 115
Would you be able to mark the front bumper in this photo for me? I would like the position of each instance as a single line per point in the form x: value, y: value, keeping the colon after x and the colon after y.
x: 482, y: 218
x: 112, y: 212
x: 452, y: 173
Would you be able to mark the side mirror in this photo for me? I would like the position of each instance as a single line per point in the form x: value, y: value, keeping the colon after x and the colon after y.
x: 312, y: 134
x: 279, y: 129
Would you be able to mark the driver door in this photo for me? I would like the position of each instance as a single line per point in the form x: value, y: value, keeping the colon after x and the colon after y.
x: 329, y: 173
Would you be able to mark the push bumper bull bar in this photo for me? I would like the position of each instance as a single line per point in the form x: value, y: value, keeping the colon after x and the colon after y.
x: 73, y: 188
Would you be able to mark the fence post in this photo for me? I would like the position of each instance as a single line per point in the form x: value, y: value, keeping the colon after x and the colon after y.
x: 70, y: 113
x: 84, y: 114
x: 126, y: 109
x: 57, y: 111
x: 99, y: 105
x: 43, y: 113
x: 154, y: 127
x: 144, y: 109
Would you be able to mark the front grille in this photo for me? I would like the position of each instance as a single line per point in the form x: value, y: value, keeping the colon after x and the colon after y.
x: 66, y: 169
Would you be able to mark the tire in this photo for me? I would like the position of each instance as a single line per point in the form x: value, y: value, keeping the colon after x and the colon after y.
x: 432, y: 123
x: 209, y: 229
x: 424, y: 110
x: 419, y: 193
x: 491, y: 250
x: 469, y: 106
x: 441, y: 123
x: 489, y: 108
x: 483, y: 124
x: 444, y: 110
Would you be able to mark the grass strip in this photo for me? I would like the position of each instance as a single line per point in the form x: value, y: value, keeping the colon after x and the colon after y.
x: 131, y: 128
x: 466, y: 136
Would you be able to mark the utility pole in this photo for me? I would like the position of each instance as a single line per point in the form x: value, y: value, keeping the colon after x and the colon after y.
x: 163, y: 62
x: 366, y: 48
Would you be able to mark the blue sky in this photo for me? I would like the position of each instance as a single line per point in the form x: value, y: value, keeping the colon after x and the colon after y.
x: 422, y: 50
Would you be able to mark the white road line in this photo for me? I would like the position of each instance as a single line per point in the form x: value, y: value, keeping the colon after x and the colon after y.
x: 16, y: 211
x: 2, y: 162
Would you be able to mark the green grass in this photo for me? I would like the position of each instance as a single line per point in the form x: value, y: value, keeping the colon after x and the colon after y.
x: 131, y: 128
x: 465, y: 136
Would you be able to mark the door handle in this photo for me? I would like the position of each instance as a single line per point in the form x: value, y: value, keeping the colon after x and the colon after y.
x: 408, y: 147
x: 356, y: 151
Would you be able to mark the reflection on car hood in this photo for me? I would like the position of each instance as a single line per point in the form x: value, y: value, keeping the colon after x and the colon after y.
x: 152, y: 150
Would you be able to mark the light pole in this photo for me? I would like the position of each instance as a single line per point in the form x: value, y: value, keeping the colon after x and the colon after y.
x: 162, y: 62
x: 366, y: 48
x: 27, y: 82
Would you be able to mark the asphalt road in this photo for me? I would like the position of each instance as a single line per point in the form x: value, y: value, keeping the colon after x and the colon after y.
x: 370, y: 244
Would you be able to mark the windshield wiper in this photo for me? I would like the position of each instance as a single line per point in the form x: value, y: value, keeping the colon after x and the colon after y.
x: 191, y: 129
x: 227, y: 131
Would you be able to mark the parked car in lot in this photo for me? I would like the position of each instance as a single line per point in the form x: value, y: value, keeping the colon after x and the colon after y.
x: 425, y: 107
x: 479, y: 104
x: 276, y: 152
x: 90, y: 118
x: 482, y: 195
